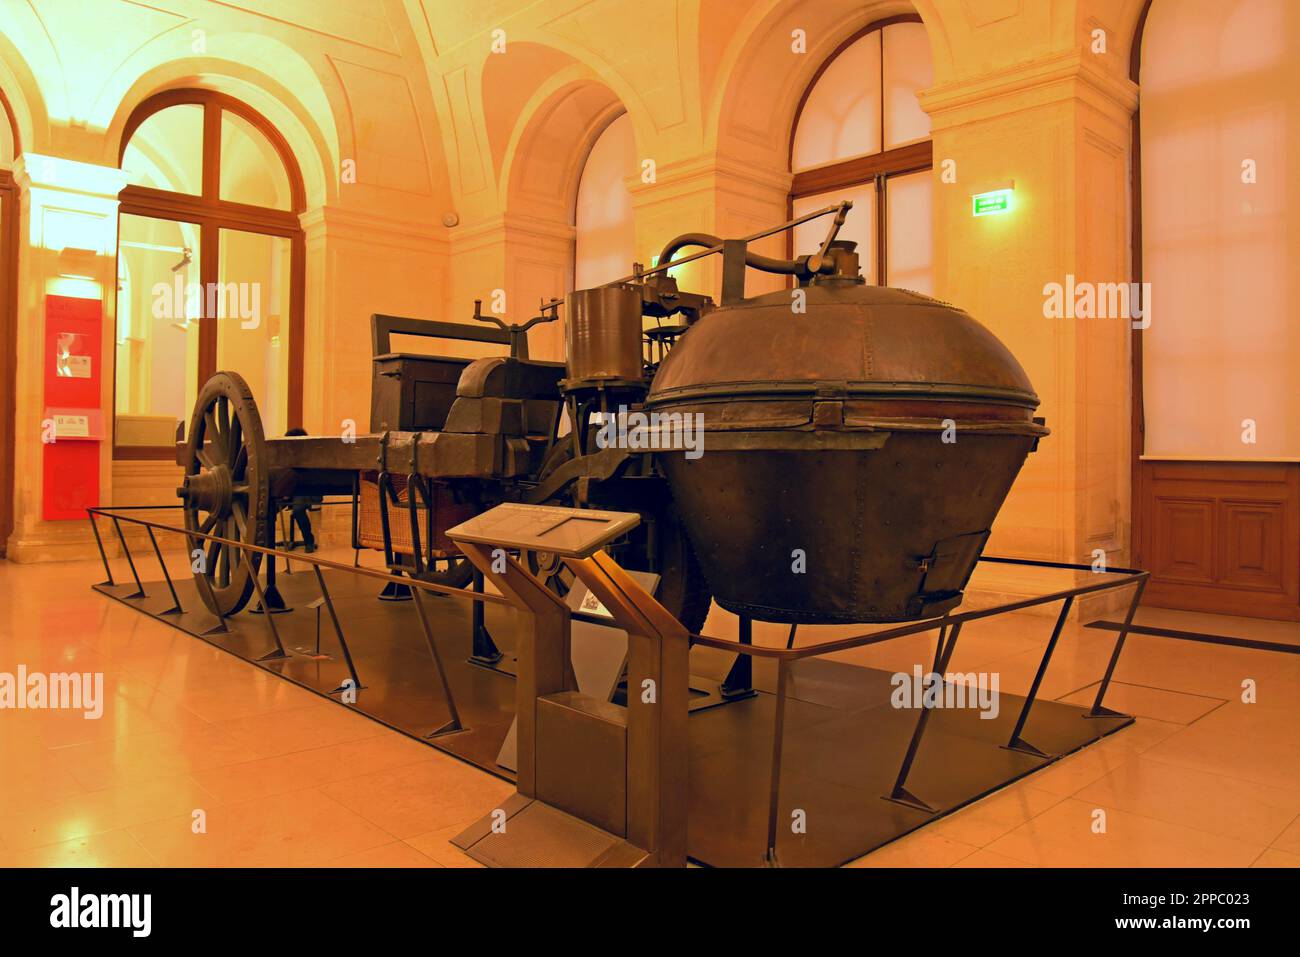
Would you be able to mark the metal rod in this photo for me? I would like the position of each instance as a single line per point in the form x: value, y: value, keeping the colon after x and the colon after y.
x: 938, y: 647
x: 1014, y: 741
x: 307, y: 559
x: 269, y: 616
x: 1252, y: 643
x: 778, y: 740
x: 413, y: 488
x: 437, y: 660
x: 859, y: 641
x: 1125, y: 578
x: 900, y: 789
x: 206, y: 594
x: 139, y: 589
x: 356, y: 530
x: 338, y: 629
x: 1097, y: 710
x: 103, y: 557
x: 797, y: 221
x: 740, y: 679
x: 287, y: 532
x: 176, y: 608
x: 483, y: 650
x: 1042, y: 563
x: 383, y: 482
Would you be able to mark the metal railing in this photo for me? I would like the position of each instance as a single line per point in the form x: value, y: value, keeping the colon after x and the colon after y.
x: 949, y: 628
x: 247, y: 550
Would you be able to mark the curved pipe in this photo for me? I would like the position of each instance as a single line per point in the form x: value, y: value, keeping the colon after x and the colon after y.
x: 789, y: 267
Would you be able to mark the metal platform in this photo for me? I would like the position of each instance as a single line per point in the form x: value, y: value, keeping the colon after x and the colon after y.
x: 843, y: 740
x: 835, y: 759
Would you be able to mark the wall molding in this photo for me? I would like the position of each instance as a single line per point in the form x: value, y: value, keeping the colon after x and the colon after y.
x: 1064, y: 77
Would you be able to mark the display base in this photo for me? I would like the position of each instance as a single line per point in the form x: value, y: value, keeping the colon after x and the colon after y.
x: 844, y: 741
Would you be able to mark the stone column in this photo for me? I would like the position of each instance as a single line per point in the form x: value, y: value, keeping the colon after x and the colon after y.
x: 1058, y: 127
x: 67, y: 247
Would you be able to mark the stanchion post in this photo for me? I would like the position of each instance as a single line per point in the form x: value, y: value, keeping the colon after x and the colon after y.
x: 1016, y: 742
x: 778, y: 742
x: 454, y: 724
x: 103, y: 557
x: 176, y: 608
x: 270, y: 618
x: 1098, y: 711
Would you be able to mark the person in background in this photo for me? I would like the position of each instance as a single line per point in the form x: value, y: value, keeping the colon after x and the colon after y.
x: 300, y: 505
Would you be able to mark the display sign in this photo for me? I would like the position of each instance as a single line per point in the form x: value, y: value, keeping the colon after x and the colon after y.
x: 72, y: 425
x: 991, y: 203
x: 570, y: 532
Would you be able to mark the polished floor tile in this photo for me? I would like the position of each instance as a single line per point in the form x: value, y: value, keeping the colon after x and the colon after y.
x: 417, y: 798
x: 1275, y: 858
x: 397, y: 854
x: 987, y: 820
x: 312, y: 767
x: 296, y: 829
x: 110, y: 849
x: 1145, y: 702
x: 986, y: 858
x: 284, y: 777
x: 1233, y: 807
x: 1068, y: 835
x: 437, y: 845
x: 1289, y: 840
x: 33, y: 821
x: 923, y: 848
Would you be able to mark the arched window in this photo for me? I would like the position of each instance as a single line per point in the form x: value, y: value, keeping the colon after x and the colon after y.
x: 604, y: 232
x: 1219, y: 119
x: 860, y: 134
x: 211, y: 262
x: 1216, y: 235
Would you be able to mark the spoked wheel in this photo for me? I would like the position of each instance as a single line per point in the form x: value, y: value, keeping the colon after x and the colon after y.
x: 225, y: 490
x: 550, y: 569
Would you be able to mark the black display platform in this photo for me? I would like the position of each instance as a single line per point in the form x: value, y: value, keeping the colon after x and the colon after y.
x: 843, y: 739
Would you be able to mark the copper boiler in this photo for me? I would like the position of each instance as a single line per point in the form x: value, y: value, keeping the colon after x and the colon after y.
x: 855, y: 453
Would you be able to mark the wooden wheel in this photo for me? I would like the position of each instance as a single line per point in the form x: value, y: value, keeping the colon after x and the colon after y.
x: 225, y: 490
x: 550, y: 569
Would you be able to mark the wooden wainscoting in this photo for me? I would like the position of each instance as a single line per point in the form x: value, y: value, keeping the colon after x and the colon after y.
x: 1221, y: 537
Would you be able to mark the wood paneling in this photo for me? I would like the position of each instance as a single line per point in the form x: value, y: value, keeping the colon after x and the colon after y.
x: 1221, y: 537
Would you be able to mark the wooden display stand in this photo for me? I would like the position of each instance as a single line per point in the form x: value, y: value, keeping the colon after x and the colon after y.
x: 598, y: 785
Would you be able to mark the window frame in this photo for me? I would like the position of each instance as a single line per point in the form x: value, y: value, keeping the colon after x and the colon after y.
x: 211, y: 214
x: 877, y: 168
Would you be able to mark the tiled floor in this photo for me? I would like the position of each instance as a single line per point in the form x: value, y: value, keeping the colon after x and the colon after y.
x: 202, y: 759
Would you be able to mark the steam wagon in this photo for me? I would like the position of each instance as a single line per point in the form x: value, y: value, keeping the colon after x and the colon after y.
x: 854, y: 451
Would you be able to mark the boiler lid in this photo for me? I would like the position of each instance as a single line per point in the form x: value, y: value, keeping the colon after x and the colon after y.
x: 876, y: 340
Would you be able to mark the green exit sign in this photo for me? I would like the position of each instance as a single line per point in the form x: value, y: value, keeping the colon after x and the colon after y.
x: 991, y: 203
